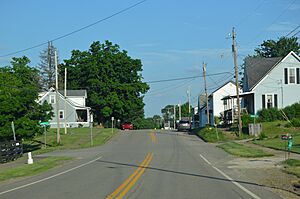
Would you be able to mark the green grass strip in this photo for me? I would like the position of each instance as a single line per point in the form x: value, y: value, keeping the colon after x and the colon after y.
x: 292, y: 166
x: 242, y: 150
x: 32, y: 169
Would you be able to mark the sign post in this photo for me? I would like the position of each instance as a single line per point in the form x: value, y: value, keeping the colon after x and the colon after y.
x: 112, y: 125
x: 288, y: 143
x: 45, y: 124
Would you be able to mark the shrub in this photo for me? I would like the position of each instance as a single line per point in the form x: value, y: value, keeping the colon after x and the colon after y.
x: 269, y: 115
x: 295, y: 122
x: 292, y: 111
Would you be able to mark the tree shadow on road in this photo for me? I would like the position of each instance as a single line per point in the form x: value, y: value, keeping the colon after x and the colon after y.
x: 195, y: 175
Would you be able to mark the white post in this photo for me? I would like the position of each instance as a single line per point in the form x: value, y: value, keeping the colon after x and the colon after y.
x: 13, y: 129
x: 112, y: 125
x: 30, y: 160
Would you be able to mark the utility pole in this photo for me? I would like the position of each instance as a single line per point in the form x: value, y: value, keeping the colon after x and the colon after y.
x: 206, y: 96
x: 179, y: 110
x: 236, y: 81
x: 65, y: 113
x: 174, y: 117
x: 56, y: 96
x: 189, y: 102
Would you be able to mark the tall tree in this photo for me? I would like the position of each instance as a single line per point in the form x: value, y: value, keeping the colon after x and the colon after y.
x: 47, y: 67
x: 280, y: 48
x: 18, y: 94
x: 112, y: 78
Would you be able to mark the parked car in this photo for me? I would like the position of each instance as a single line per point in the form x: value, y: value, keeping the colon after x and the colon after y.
x: 127, y: 125
x: 183, y: 125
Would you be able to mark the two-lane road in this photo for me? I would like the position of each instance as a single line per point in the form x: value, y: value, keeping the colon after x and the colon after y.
x: 140, y: 164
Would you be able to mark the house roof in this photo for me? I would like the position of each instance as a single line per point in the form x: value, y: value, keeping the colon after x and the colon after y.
x: 74, y: 93
x: 257, y: 67
x: 222, y: 86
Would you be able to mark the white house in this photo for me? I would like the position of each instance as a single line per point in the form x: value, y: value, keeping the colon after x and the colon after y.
x: 271, y: 82
x: 216, y: 104
x: 71, y: 110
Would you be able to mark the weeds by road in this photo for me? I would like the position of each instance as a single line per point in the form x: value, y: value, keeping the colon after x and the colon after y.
x: 242, y: 150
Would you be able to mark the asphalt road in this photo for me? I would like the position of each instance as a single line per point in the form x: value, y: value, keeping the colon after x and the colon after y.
x: 140, y: 164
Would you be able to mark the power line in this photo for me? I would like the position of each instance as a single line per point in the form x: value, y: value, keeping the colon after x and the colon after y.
x: 278, y: 16
x: 182, y: 78
x: 293, y: 31
x: 296, y: 33
x: 78, y: 30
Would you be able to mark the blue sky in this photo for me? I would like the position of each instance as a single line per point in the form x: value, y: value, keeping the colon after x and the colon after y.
x: 172, y: 38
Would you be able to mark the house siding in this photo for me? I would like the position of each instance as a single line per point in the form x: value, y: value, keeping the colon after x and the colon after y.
x: 215, y: 102
x: 274, y: 83
x: 70, y: 113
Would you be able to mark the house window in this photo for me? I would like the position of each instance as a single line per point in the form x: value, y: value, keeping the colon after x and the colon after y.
x: 61, y: 114
x: 52, y: 99
x: 269, y: 101
x: 291, y: 76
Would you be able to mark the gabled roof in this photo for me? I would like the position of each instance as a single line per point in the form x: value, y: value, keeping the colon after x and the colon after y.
x: 74, y: 93
x: 257, y: 67
x: 222, y: 86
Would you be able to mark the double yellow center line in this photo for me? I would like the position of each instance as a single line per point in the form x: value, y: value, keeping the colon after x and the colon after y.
x: 153, y: 137
x: 121, y: 191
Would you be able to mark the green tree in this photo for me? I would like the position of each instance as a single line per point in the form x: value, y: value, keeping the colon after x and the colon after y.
x: 18, y: 94
x: 113, y: 81
x: 280, y: 48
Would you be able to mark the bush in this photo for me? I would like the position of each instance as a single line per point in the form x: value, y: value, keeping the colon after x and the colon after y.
x: 269, y: 115
x: 292, y: 111
x: 295, y: 122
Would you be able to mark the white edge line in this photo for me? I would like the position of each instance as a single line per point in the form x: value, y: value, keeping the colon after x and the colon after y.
x: 205, y: 159
x: 231, y: 180
x: 50, y: 177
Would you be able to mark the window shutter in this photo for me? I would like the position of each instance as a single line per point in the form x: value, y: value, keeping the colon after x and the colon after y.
x: 298, y: 76
x: 275, y: 101
x: 263, y: 101
x: 286, y: 76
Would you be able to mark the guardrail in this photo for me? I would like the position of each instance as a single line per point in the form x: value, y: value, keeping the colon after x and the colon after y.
x: 10, y: 151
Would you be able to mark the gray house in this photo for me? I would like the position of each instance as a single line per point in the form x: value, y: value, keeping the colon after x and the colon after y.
x: 72, y: 110
x: 271, y: 82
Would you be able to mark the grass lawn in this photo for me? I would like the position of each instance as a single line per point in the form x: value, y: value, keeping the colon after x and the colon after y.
x: 210, y: 134
x: 76, y: 138
x: 292, y: 166
x: 242, y: 150
x: 273, y: 132
x: 32, y: 169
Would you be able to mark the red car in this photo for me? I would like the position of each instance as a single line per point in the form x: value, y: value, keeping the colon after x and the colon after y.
x: 127, y: 125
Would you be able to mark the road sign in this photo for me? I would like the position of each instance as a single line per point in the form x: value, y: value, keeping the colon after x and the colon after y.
x: 290, y: 144
x: 254, y: 116
x: 44, y: 123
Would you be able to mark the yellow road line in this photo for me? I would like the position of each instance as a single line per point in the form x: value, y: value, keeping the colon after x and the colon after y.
x: 123, y: 193
x: 153, y: 137
x: 122, y: 186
